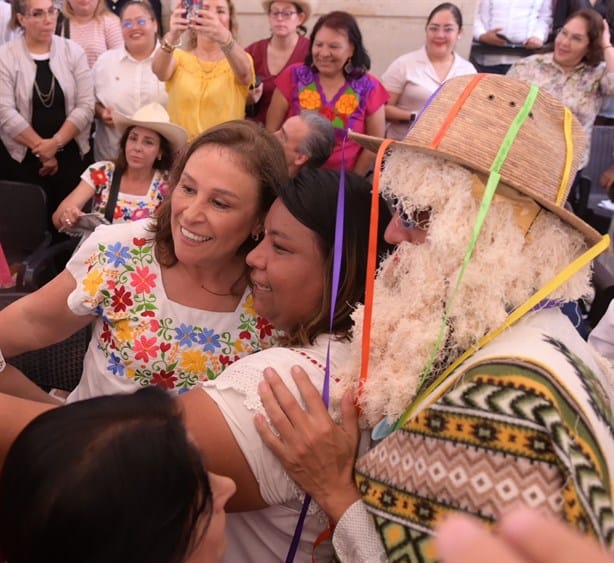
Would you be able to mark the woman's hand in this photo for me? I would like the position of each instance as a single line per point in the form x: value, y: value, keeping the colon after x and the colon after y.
x: 317, y: 453
x: 49, y: 167
x: 254, y: 94
x: 178, y: 23
x: 45, y: 149
x: 491, y: 37
x: 522, y: 536
x: 68, y: 217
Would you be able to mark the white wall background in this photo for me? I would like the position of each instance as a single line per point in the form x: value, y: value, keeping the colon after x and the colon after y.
x: 389, y: 27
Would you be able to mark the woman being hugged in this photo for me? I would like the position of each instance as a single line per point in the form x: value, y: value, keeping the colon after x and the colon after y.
x: 207, y: 83
x: 334, y: 82
x: 92, y: 25
x: 123, y: 79
x: 413, y: 77
x: 169, y: 296
x: 137, y: 182
x: 287, y: 45
x: 46, y: 104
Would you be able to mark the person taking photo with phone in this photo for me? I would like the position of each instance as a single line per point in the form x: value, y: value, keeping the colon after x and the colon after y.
x: 208, y: 82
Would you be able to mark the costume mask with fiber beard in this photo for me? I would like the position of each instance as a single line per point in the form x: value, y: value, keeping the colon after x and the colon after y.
x: 519, y: 249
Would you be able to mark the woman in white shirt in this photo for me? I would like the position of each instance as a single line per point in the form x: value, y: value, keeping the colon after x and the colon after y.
x: 123, y: 79
x: 413, y: 77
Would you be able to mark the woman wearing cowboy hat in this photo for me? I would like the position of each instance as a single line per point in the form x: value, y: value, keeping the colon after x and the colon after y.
x: 286, y: 46
x: 148, y: 142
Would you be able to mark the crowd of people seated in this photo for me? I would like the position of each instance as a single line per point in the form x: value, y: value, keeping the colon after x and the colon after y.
x: 328, y: 303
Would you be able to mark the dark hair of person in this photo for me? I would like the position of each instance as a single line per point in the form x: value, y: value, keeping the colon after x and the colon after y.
x: 447, y: 6
x: 17, y: 7
x: 594, y: 31
x: 165, y: 162
x: 146, y: 6
x: 257, y: 151
x: 319, y: 143
x: 311, y: 198
x: 113, y: 478
x: 345, y: 23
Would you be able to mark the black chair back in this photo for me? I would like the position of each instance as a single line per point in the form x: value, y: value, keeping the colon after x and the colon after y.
x: 23, y: 220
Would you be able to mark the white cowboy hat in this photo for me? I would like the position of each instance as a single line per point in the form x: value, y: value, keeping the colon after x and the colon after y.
x: 153, y: 116
x: 306, y: 6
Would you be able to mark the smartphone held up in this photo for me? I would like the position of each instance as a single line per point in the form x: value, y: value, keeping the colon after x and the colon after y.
x: 191, y: 7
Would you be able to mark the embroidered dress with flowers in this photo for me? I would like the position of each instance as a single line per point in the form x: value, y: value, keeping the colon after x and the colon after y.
x: 349, y: 108
x: 140, y: 336
x: 128, y: 207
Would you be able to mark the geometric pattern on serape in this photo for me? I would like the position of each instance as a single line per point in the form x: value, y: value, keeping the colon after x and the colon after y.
x: 404, y: 544
x: 595, y: 390
x: 500, y: 437
x: 455, y: 476
x: 488, y: 390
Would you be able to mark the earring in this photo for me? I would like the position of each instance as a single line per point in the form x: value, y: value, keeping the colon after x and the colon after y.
x: 256, y: 237
x: 159, y: 157
x: 349, y: 67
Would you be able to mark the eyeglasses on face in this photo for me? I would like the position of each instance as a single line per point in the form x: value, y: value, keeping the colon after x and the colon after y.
x: 573, y: 37
x: 40, y: 14
x: 283, y: 14
x: 129, y: 24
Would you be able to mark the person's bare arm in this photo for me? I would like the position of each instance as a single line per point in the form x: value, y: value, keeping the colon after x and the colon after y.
x: 276, y: 114
x: 395, y: 113
x: 15, y: 415
x: 163, y: 64
x: 221, y: 452
x: 376, y: 126
x: 71, y: 206
x: 40, y: 318
x: 14, y: 382
x: 316, y: 453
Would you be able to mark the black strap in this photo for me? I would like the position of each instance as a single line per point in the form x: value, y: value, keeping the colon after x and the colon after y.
x: 113, y: 192
x: 62, y: 26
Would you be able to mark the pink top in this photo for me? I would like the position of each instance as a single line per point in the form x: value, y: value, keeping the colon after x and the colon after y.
x: 258, y: 51
x: 349, y: 108
x: 97, y: 35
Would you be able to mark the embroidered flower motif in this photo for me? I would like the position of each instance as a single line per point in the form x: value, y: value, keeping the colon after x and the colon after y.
x: 192, y: 360
x: 117, y: 254
x: 140, y: 214
x: 99, y: 176
x: 164, y: 379
x: 145, y: 348
x: 309, y: 99
x: 92, y: 281
x: 209, y: 340
x: 265, y: 327
x: 347, y: 103
x: 143, y: 280
x: 185, y: 335
x: 123, y: 331
x: 122, y: 299
x: 116, y: 366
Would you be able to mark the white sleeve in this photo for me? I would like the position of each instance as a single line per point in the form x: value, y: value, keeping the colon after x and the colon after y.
x: 394, y: 78
x: 355, y: 538
x: 235, y: 392
x: 602, y: 336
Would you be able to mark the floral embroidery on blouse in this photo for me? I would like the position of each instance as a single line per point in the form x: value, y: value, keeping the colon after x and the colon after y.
x: 347, y: 106
x: 128, y: 207
x: 123, y: 287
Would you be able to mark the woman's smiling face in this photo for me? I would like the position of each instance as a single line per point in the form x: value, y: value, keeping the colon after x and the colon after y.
x: 288, y: 270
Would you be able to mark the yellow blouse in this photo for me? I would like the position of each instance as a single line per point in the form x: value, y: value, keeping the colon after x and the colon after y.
x: 202, y: 94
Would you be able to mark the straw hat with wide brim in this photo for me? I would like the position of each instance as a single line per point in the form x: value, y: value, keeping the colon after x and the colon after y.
x: 153, y: 116
x: 306, y: 6
x: 467, y: 121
